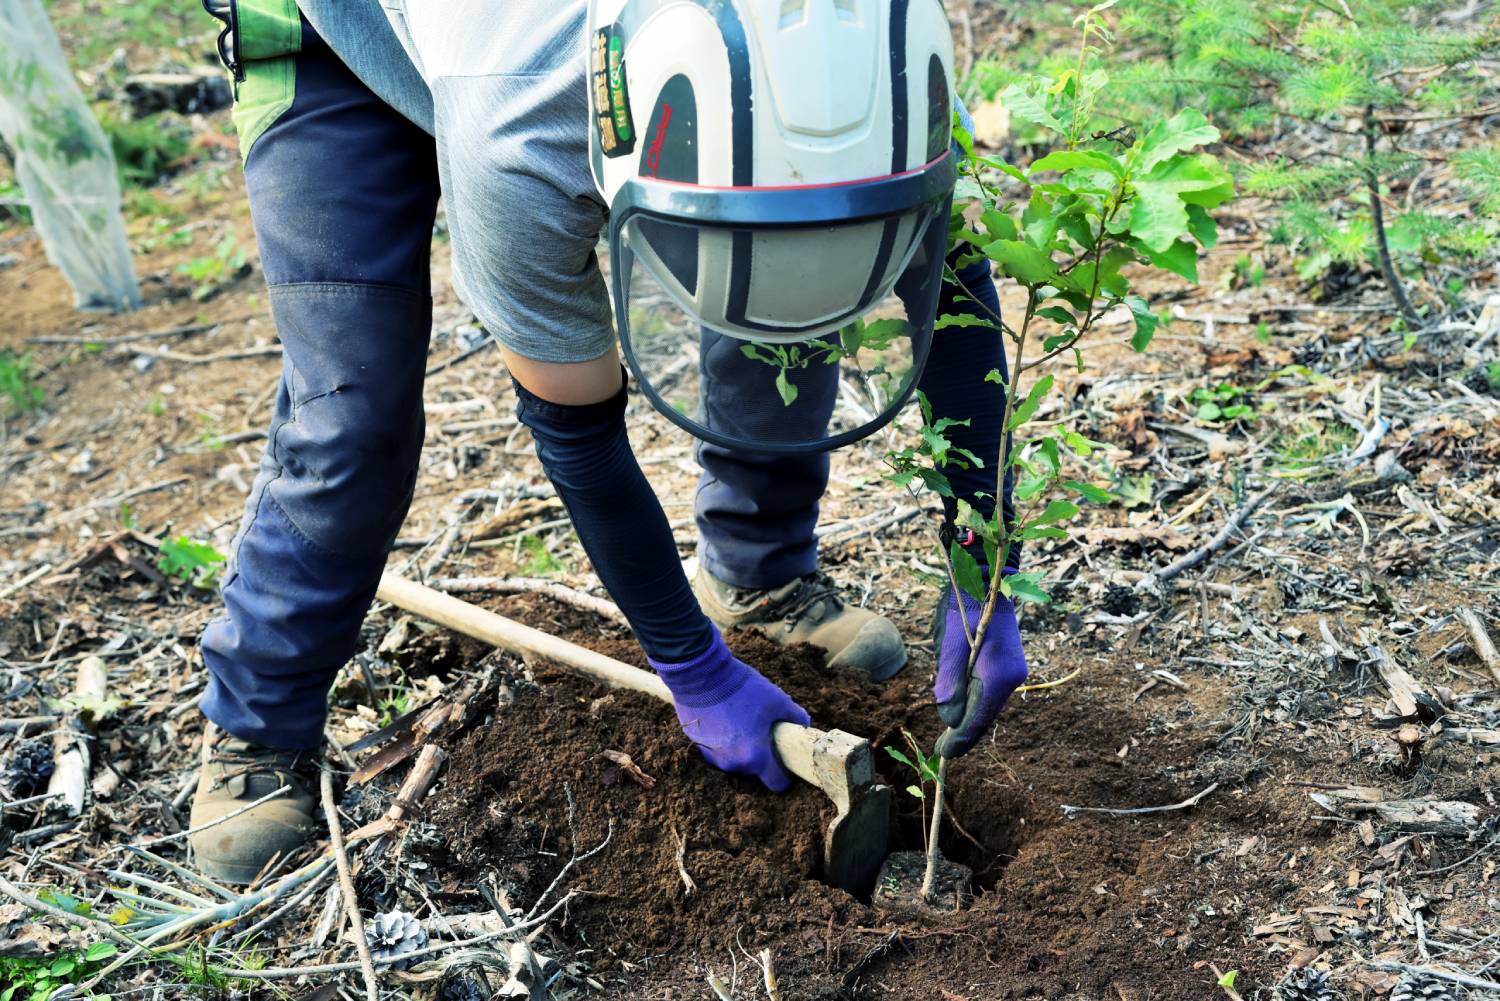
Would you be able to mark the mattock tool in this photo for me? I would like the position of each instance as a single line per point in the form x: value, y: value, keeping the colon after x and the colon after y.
x: 838, y: 763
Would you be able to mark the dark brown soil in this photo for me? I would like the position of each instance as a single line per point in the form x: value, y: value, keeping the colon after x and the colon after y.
x: 1063, y: 907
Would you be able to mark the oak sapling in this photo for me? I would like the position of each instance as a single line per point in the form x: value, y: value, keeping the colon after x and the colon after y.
x: 1063, y: 229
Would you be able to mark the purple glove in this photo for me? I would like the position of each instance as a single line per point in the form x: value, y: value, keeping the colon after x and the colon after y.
x: 728, y: 708
x: 969, y: 705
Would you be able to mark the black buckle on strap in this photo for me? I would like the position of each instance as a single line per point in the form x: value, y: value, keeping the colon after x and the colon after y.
x: 228, y: 42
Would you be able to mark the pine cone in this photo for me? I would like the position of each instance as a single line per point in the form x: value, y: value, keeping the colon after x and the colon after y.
x: 1415, y: 987
x: 392, y: 935
x: 1307, y: 985
x: 375, y: 889
x: 1120, y: 600
x: 29, y: 769
x: 464, y: 987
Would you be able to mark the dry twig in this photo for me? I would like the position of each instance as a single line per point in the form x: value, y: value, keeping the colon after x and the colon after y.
x: 346, y: 883
x: 1186, y: 804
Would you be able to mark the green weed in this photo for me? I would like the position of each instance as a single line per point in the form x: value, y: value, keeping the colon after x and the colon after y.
x: 13, y: 202
x: 17, y: 384
x: 539, y: 562
x: 146, y: 149
x: 1308, y: 442
x: 1225, y: 402
x: 213, y: 272
x: 195, y: 563
x: 39, y: 979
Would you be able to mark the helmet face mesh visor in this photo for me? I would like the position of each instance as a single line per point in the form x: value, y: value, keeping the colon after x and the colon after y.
x: 782, y: 340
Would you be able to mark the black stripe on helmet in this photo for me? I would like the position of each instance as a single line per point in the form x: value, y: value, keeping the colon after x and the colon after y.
x: 900, y: 87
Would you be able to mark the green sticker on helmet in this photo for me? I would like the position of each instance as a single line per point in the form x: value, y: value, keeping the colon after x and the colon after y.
x: 611, y: 96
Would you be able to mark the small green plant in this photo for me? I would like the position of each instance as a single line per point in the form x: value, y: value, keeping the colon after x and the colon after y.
x: 13, y: 202
x: 164, y: 233
x: 1492, y: 376
x: 16, y: 383
x: 39, y: 979
x: 210, y: 433
x: 1307, y: 443
x: 1225, y: 402
x: 926, y: 769
x: 147, y: 149
x: 195, y: 563
x: 539, y: 560
x: 156, y: 406
x: 212, y: 273
x: 396, y: 701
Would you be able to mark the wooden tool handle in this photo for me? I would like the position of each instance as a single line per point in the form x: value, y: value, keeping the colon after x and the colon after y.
x: 799, y: 747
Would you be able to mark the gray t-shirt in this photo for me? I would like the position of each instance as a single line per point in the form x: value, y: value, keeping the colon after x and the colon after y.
x: 500, y: 85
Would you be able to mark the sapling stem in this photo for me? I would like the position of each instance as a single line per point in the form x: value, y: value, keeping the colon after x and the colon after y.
x: 929, y: 878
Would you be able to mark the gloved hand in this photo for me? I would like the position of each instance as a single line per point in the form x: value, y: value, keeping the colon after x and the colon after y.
x: 727, y: 708
x: 968, y: 704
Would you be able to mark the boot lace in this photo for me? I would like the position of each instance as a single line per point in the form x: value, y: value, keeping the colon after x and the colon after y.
x: 813, y: 597
x: 238, y: 759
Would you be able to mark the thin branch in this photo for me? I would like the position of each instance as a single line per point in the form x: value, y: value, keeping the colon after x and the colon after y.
x: 1153, y: 581
x: 346, y: 884
x: 1186, y: 804
x: 1377, y: 218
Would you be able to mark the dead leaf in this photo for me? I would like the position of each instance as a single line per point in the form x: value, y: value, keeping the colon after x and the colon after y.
x: 23, y: 938
x: 991, y: 124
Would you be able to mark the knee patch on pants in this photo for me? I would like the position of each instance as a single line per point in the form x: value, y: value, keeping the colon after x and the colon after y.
x: 344, y: 447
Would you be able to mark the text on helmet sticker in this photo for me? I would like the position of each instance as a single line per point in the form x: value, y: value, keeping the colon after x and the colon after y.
x: 611, y: 97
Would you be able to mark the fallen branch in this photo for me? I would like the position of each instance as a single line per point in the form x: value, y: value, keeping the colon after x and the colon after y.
x: 289, y: 972
x: 689, y: 886
x: 1187, y: 804
x: 1479, y: 636
x: 179, y: 331
x: 208, y: 359
x: 72, y: 744
x: 463, y: 356
x: 29, y: 579
x: 68, y: 918
x: 346, y: 884
x: 1403, y: 687
x: 114, y: 501
x: 1451, y: 818
x: 1434, y: 973
x: 1153, y: 581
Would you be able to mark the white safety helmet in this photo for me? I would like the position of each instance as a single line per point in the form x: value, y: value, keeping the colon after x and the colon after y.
x: 776, y: 171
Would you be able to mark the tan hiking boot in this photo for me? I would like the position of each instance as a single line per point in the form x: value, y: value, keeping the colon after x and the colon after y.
x: 236, y: 773
x: 808, y: 610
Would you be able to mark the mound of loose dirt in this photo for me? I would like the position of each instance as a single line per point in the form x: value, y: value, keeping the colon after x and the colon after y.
x: 1062, y: 907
